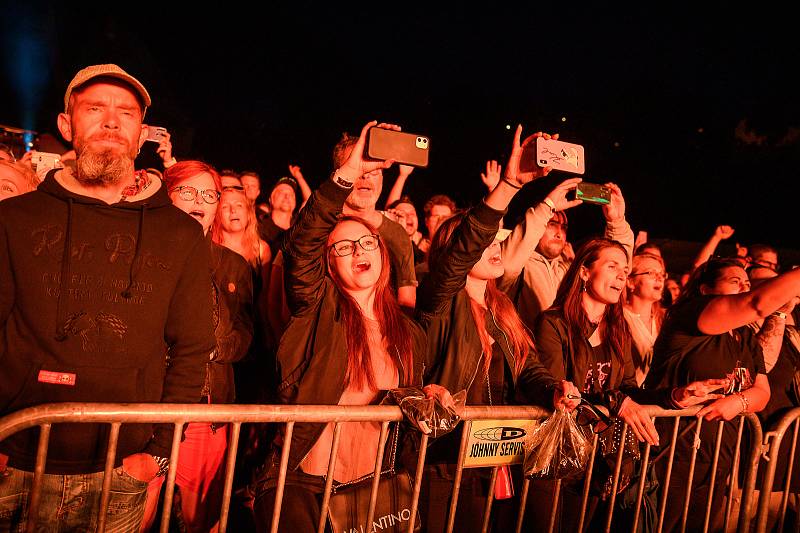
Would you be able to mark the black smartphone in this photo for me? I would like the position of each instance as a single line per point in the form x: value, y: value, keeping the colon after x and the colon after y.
x: 593, y: 193
x: 406, y: 148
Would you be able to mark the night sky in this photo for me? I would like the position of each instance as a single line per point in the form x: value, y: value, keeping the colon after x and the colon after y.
x: 695, y: 115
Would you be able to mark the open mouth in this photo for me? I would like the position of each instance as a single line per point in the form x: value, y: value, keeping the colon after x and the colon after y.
x: 615, y: 288
x: 361, y: 266
x: 197, y: 213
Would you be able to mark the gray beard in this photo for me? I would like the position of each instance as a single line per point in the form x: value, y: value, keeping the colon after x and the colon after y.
x: 98, y: 169
x: 361, y: 203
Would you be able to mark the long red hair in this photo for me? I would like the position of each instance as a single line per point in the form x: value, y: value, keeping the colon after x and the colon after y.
x: 498, y: 304
x: 393, y: 326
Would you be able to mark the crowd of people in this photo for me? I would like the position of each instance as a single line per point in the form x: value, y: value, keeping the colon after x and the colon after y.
x: 187, y: 284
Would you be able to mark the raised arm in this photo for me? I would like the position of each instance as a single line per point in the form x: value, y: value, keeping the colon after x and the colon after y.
x: 397, y: 189
x: 724, y: 313
x: 708, y: 249
x: 305, y: 190
x: 448, y: 271
x: 617, y: 228
x: 304, y: 243
x: 518, y: 247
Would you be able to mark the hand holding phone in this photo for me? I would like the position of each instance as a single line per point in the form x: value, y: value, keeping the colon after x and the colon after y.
x: 44, y: 162
x: 560, y: 155
x: 522, y: 167
x: 156, y: 134
x: 593, y: 193
x: 405, y: 148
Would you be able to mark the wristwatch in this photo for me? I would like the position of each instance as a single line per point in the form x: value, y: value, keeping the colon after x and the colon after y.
x: 779, y: 314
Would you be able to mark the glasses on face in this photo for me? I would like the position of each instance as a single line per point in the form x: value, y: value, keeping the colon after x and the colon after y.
x: 347, y: 247
x: 188, y: 193
x: 656, y: 275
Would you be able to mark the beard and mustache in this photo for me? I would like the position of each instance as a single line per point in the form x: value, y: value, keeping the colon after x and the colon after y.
x: 106, y: 165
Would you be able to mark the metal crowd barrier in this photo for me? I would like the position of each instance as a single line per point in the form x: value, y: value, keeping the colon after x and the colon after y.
x: 772, y: 447
x: 45, y: 416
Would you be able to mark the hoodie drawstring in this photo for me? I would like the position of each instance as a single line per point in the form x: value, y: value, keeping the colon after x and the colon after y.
x: 61, y: 334
x: 127, y: 292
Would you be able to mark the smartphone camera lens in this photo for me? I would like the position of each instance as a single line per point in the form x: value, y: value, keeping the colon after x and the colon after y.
x: 543, y: 161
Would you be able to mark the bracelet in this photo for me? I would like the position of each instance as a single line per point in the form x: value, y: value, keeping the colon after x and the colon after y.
x: 745, y: 402
x: 518, y: 187
x: 163, y: 465
x: 675, y: 402
x: 341, y: 182
x: 549, y: 203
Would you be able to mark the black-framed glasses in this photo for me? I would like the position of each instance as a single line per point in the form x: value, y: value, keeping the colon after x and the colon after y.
x: 189, y: 193
x: 660, y: 276
x: 347, y: 247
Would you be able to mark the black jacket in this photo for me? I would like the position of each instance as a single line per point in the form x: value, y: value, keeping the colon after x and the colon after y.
x: 567, y: 358
x: 92, y: 296
x: 312, y: 355
x: 232, y: 295
x: 454, y: 351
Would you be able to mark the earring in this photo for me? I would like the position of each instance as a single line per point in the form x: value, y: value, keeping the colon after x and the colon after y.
x: 583, y: 285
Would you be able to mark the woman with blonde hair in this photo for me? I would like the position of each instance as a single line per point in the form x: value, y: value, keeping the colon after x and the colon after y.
x: 236, y: 228
x: 642, y: 310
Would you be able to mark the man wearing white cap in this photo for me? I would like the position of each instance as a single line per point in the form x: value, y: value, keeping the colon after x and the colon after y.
x: 105, y: 296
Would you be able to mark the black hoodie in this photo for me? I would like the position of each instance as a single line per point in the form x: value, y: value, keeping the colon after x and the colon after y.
x: 93, y: 321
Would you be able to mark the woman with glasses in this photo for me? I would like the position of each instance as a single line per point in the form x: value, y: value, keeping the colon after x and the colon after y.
x: 346, y: 344
x: 643, y: 311
x: 477, y: 344
x: 194, y: 188
x: 706, y: 335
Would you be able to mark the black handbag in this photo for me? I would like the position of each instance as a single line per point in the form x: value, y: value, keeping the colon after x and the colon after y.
x: 349, y: 502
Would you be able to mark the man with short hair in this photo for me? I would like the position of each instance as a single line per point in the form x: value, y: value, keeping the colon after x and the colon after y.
x: 282, y: 204
x: 763, y: 255
x: 533, y: 254
x: 437, y: 209
x: 105, y: 297
x: 404, y: 213
x: 252, y: 185
x: 361, y: 203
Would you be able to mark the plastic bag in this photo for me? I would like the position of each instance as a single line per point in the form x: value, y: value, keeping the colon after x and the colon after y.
x: 557, y: 449
x: 428, y: 415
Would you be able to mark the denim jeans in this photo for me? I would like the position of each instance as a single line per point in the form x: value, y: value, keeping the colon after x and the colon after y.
x: 71, y: 503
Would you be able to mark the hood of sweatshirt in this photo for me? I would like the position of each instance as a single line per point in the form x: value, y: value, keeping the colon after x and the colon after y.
x: 153, y: 196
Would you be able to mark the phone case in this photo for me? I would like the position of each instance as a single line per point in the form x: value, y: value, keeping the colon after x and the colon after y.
x: 593, y: 193
x: 405, y: 148
x: 155, y: 133
x: 560, y: 155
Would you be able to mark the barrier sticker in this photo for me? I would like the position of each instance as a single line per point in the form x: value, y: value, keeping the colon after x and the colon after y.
x: 497, y: 442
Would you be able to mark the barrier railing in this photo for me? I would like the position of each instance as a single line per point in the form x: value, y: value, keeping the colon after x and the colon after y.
x: 115, y: 415
x: 773, y: 440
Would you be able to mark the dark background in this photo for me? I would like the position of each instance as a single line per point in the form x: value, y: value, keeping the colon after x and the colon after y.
x: 694, y: 114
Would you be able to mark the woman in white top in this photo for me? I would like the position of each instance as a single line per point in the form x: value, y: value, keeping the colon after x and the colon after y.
x: 643, y: 311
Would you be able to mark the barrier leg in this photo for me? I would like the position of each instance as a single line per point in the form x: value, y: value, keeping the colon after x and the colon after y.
x: 105, y: 495
x: 230, y: 466
x: 287, y: 445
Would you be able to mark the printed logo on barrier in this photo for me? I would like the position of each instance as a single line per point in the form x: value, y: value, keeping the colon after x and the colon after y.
x: 497, y: 442
x: 501, y: 433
